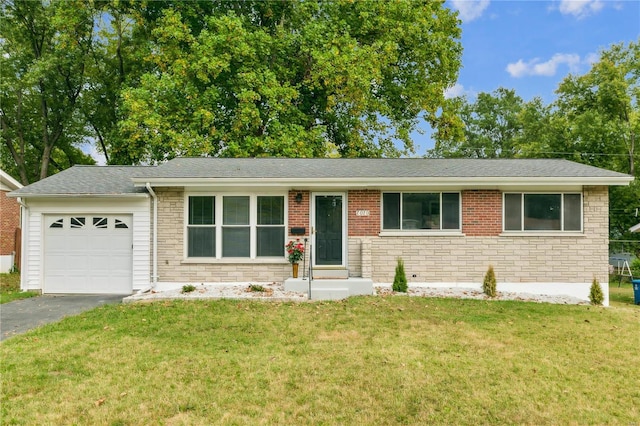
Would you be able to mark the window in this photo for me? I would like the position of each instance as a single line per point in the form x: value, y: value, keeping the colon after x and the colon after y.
x: 100, y: 222
x: 57, y: 224
x: 201, y: 230
x: 542, y: 212
x: 421, y: 210
x: 270, y: 226
x: 77, y: 222
x: 246, y: 226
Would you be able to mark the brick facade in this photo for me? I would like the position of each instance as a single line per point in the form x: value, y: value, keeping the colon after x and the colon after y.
x: 364, y: 201
x: 299, y: 211
x: 429, y: 258
x: 9, y: 222
x: 481, y: 213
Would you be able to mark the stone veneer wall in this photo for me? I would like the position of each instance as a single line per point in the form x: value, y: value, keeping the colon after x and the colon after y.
x: 172, y: 266
x: 433, y: 259
x: 516, y: 259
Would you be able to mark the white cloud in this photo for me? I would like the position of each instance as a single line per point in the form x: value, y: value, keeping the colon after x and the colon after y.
x: 547, y: 69
x: 470, y: 9
x: 454, y: 91
x: 580, y: 8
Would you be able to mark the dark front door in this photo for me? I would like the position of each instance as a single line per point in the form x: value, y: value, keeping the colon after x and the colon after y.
x: 328, y: 227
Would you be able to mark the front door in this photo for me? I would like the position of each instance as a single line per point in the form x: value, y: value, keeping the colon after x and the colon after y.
x: 329, y: 229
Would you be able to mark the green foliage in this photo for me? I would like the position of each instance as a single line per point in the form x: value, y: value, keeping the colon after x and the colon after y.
x: 45, y: 52
x: 295, y: 79
x: 596, y: 297
x: 489, y: 283
x: 10, y: 288
x: 188, y: 288
x: 400, y: 278
x: 635, y: 268
x: 256, y: 288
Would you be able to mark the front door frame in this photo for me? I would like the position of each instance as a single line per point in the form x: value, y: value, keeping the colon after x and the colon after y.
x: 343, y: 265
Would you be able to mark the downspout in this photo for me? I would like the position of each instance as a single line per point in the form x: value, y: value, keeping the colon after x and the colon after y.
x: 24, y: 209
x: 154, y: 273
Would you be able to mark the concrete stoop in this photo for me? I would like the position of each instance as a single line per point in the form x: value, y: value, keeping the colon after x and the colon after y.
x: 330, y: 289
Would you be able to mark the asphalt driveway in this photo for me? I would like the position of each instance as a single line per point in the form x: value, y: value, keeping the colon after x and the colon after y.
x: 22, y: 315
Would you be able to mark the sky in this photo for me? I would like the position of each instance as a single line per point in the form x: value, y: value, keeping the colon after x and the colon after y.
x: 531, y: 46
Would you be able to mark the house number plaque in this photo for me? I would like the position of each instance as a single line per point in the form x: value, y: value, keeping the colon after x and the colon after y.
x: 363, y: 212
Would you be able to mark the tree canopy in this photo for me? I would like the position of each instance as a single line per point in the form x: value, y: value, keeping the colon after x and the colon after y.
x: 147, y: 81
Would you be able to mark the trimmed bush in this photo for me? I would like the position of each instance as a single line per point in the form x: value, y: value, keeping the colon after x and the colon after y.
x: 489, y: 283
x: 400, y: 279
x: 188, y: 288
x: 596, y: 297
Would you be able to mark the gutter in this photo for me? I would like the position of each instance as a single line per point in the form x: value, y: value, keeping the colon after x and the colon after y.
x: 23, y: 252
x: 154, y: 273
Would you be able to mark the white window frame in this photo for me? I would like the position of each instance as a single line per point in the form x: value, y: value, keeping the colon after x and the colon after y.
x: 538, y: 231
x: 421, y: 231
x: 218, y: 225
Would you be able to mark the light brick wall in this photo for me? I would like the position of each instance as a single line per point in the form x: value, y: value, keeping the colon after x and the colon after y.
x: 515, y: 259
x: 171, y: 264
x: 9, y: 222
x: 462, y: 259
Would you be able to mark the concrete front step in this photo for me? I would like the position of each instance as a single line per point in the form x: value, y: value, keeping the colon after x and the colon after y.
x: 323, y: 274
x: 330, y: 289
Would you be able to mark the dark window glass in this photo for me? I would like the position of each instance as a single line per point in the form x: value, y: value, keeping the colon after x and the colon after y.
x: 542, y: 212
x: 236, y: 242
x: 451, y: 211
x: 572, y: 212
x: 270, y: 210
x: 202, y: 210
x: 56, y: 224
x: 391, y: 214
x: 202, y: 241
x: 513, y: 212
x: 270, y: 241
x: 235, y: 211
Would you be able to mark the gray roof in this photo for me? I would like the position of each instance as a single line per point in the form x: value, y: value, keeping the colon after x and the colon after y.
x: 129, y: 180
x: 87, y: 180
x: 319, y: 168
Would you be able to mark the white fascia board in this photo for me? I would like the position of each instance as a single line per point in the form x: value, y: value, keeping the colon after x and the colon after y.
x: 8, y: 181
x: 30, y: 196
x: 381, y: 183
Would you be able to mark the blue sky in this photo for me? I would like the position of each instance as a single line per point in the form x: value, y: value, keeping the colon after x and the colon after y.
x: 530, y: 46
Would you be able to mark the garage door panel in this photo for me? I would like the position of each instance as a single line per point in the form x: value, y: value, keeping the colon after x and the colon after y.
x: 88, y: 254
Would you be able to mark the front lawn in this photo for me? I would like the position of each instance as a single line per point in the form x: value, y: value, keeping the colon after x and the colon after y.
x: 365, y: 360
x: 10, y: 288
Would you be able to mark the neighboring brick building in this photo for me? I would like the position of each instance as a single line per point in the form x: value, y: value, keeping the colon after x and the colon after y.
x: 9, y: 223
x: 541, y: 224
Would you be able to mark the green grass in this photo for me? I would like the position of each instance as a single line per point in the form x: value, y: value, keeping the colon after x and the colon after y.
x: 365, y: 360
x: 10, y: 288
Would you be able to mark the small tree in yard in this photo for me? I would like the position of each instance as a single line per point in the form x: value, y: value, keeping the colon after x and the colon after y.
x: 596, y: 297
x: 400, y: 279
x: 489, y: 283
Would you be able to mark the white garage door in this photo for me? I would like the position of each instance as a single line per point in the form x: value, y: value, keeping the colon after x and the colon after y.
x: 88, y: 253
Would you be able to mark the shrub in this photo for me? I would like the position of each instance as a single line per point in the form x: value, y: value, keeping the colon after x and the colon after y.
x: 256, y: 288
x: 596, y: 297
x: 489, y: 283
x: 188, y: 288
x: 400, y: 279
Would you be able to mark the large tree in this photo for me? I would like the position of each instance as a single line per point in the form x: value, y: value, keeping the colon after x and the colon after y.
x: 45, y: 49
x: 273, y: 78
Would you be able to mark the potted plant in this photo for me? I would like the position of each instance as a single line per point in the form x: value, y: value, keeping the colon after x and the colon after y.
x: 295, y: 251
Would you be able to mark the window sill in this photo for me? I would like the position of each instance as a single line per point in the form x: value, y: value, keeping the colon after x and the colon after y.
x: 571, y: 234
x: 417, y: 233
x: 235, y: 260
